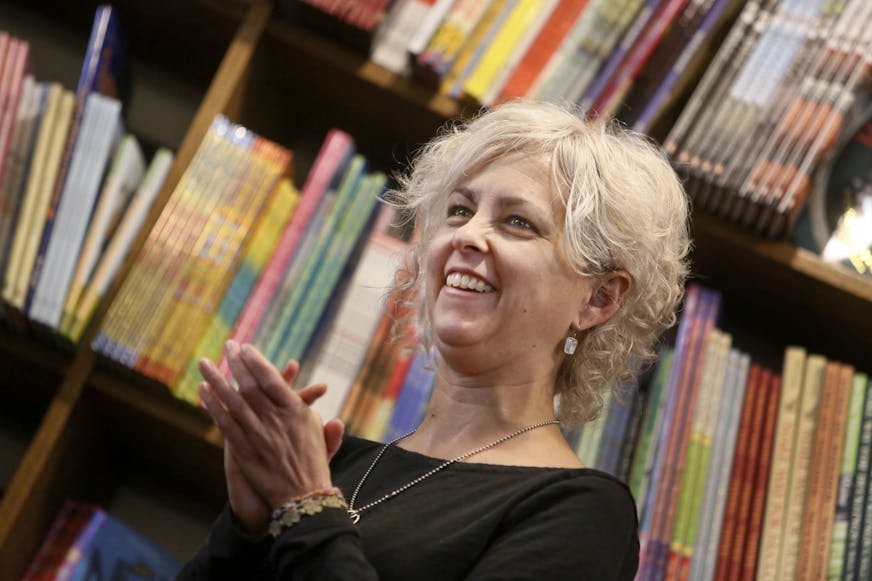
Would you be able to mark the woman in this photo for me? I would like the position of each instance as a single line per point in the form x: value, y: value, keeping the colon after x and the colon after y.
x: 552, y: 255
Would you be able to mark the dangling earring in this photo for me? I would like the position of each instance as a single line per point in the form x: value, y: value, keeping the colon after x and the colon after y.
x: 570, y: 345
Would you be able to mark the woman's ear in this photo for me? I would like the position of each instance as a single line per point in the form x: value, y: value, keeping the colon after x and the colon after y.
x: 605, y: 299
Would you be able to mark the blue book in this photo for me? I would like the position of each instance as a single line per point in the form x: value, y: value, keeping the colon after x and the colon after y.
x: 117, y: 552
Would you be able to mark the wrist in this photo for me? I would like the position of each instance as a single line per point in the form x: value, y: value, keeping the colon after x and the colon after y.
x: 290, y: 512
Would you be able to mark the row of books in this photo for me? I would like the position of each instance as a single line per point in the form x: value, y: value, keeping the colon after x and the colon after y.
x: 628, y: 57
x: 239, y: 253
x: 740, y: 471
x: 85, y: 543
x: 74, y: 187
x: 772, y: 104
x: 776, y: 81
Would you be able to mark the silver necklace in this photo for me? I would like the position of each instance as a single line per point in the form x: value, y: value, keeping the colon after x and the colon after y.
x: 355, y: 512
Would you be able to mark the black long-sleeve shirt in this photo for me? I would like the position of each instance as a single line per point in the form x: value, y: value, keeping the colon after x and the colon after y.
x: 469, y: 521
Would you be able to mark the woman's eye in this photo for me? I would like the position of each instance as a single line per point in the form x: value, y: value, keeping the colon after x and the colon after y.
x: 459, y: 210
x: 520, y: 222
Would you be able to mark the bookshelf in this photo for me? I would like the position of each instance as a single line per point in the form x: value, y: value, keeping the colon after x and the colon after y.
x: 84, y: 428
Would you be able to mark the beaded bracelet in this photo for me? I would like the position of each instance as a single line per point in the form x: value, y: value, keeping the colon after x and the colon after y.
x: 289, y: 513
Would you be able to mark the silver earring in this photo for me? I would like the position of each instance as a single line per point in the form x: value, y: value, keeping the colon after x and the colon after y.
x: 570, y: 345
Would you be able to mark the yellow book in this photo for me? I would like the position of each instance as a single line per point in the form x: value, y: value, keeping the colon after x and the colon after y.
x: 508, y: 40
x: 40, y: 181
x: 800, y: 465
x: 472, y: 49
x: 779, y: 481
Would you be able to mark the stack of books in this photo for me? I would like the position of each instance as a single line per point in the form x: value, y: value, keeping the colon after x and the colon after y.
x: 74, y: 186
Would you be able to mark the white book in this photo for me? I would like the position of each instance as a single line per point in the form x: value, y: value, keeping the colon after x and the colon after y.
x: 101, y: 125
x: 390, y: 46
x: 428, y: 26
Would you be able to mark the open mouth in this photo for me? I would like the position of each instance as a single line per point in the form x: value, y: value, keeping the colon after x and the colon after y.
x: 467, y: 282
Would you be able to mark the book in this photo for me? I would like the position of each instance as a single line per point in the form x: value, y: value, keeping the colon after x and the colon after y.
x: 86, y: 542
x: 800, y: 464
x: 213, y: 247
x: 542, y: 49
x: 715, y: 496
x: 780, y: 479
x: 53, y: 268
x: 124, y: 176
x: 273, y: 221
x: 860, y: 496
x: 849, y: 461
x: 118, y: 246
x: 17, y: 162
x: 14, y: 70
x: 515, y: 33
x: 743, y: 558
x: 480, y: 38
x: 684, y: 383
x: 351, y: 230
x: 444, y: 46
x: 43, y: 173
x: 390, y: 46
x: 104, y: 71
x: 337, y: 362
x: 741, y: 474
x: 334, y: 154
x: 273, y: 344
x: 413, y: 397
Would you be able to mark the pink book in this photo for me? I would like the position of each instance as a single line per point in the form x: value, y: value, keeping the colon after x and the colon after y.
x: 11, y: 82
x: 333, y: 151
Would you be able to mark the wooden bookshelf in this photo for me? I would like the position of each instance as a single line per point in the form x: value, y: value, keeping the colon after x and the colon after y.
x: 292, y: 85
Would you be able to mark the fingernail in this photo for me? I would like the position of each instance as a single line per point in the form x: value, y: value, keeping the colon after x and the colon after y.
x: 232, y: 347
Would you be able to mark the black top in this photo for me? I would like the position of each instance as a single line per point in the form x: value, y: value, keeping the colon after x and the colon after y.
x: 469, y: 521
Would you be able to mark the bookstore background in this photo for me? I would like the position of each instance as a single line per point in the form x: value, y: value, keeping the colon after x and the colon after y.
x: 174, y: 174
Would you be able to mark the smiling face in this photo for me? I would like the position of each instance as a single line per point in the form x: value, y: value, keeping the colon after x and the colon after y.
x: 499, y: 291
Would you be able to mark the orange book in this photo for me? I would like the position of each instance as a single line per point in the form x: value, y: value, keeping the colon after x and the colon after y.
x: 543, y: 48
x: 761, y: 481
x: 822, y: 489
x: 737, y: 474
x: 752, y: 467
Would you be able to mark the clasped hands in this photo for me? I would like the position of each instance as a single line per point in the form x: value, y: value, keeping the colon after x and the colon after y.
x: 276, y: 447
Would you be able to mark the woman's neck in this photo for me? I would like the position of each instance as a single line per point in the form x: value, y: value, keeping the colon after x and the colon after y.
x: 463, y: 416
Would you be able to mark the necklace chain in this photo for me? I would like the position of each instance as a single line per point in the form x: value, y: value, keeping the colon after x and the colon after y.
x: 355, y: 512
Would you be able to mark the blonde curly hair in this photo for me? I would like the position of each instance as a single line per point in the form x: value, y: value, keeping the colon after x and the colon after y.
x: 625, y: 210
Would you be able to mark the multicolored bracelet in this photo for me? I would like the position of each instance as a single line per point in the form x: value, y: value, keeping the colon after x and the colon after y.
x: 289, y: 513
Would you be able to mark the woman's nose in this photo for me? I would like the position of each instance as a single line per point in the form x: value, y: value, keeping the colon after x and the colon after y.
x: 473, y: 235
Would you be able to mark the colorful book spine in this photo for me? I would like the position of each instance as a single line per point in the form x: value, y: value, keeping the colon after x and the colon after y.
x: 332, y: 155
x: 273, y: 221
x: 850, y: 454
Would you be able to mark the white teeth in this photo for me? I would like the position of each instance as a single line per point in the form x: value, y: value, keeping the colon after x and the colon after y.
x: 468, y: 282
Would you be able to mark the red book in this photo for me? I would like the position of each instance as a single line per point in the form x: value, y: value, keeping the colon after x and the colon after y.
x: 11, y: 82
x: 753, y: 394
x: 761, y: 482
x: 547, y: 42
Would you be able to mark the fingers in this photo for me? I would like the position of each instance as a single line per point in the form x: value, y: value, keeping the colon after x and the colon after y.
x: 249, y: 386
x: 333, y: 431
x: 312, y: 393
x: 253, y: 366
x: 221, y: 411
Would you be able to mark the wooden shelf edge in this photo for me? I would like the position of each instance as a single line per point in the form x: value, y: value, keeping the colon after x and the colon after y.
x: 783, y: 255
x: 157, y: 403
x: 316, y: 47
